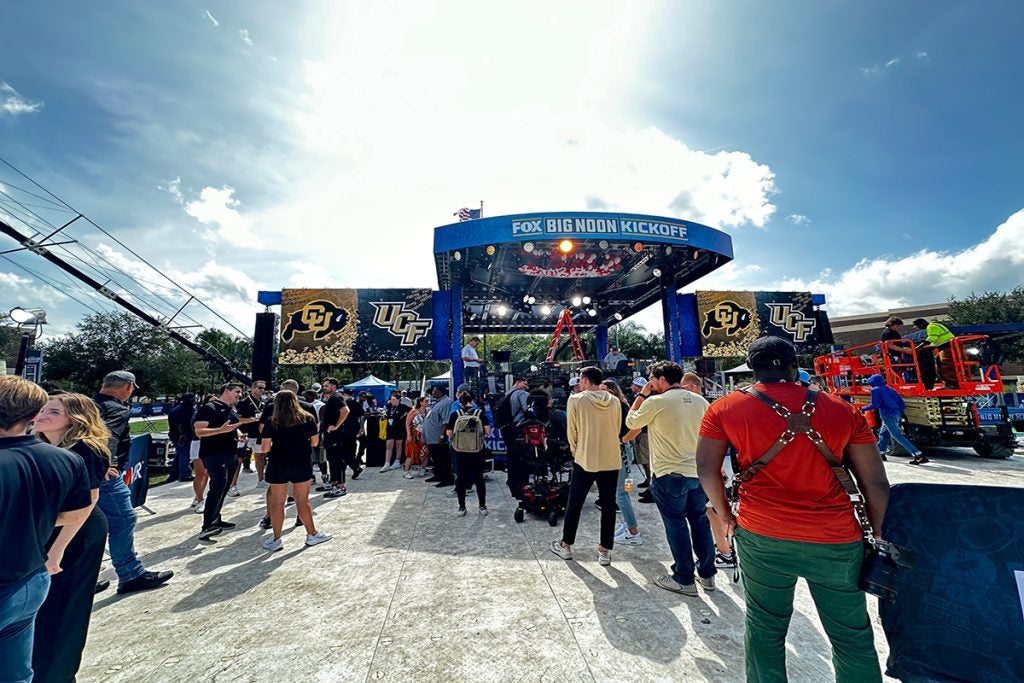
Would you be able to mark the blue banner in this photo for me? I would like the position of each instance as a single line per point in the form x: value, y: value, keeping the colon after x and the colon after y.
x: 136, y: 472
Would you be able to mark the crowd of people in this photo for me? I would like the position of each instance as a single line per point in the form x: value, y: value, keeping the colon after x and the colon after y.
x: 62, y: 481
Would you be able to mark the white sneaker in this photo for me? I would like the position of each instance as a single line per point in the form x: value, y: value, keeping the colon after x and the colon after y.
x: 627, y: 538
x: 233, y: 492
x: 396, y: 466
x: 385, y: 468
x: 273, y: 544
x: 200, y: 506
x: 421, y: 473
x: 483, y: 512
x: 563, y: 551
x: 408, y: 475
x: 194, y: 503
x: 317, y: 538
x: 263, y: 484
x: 461, y: 512
x: 621, y: 529
x: 604, y: 557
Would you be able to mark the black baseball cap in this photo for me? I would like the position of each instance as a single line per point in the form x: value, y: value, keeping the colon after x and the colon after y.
x: 768, y: 353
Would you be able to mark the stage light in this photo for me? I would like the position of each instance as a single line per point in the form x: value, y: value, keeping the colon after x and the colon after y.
x: 545, y: 309
x: 656, y: 272
x: 526, y: 298
x: 577, y: 301
x: 587, y: 299
x: 490, y: 250
x: 22, y: 316
x: 528, y: 247
x: 565, y: 246
x: 668, y: 251
x: 618, y: 316
x: 592, y: 312
x: 502, y: 310
x: 457, y: 256
x: 972, y: 351
x: 638, y: 247
x: 696, y: 254
x: 531, y: 300
x: 603, y: 244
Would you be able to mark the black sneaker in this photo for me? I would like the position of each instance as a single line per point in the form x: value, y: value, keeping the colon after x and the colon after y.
x: 101, y: 586
x: 145, y: 582
x: 644, y: 484
x: 265, y: 523
x: 225, y: 525
x: 325, y: 487
x: 357, y: 472
x: 431, y: 479
x: 207, y: 534
x: 646, y: 497
x: 298, y: 522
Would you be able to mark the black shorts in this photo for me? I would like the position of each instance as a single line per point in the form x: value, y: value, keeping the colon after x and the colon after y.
x: 289, y: 474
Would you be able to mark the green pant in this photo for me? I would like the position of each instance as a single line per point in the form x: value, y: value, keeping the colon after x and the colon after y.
x: 770, y: 568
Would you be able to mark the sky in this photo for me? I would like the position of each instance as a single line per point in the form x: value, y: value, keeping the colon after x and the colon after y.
x: 870, y: 151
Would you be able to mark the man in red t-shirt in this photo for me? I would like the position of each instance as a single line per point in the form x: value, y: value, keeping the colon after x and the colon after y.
x: 795, y: 519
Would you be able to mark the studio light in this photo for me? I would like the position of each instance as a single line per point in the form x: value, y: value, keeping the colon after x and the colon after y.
x: 531, y: 300
x: 21, y: 316
x: 577, y: 301
x: 502, y: 310
x: 565, y: 246
x: 528, y: 247
x: 592, y: 312
x: 490, y: 250
x: 587, y: 299
x: 457, y: 256
x: 656, y: 272
x: 545, y: 309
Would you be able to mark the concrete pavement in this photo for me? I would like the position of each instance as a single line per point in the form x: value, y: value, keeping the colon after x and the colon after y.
x: 406, y: 591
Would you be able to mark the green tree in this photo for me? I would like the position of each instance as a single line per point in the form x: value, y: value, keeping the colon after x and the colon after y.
x: 992, y: 308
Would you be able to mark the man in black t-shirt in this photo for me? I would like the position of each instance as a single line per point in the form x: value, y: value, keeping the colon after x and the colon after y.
x: 216, y: 426
x: 350, y: 432
x: 251, y: 405
x: 41, y: 486
x: 333, y: 416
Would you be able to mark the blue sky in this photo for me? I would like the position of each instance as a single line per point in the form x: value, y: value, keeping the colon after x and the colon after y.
x: 867, y: 150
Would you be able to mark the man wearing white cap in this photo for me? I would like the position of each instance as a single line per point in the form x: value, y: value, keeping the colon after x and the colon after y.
x: 115, y: 500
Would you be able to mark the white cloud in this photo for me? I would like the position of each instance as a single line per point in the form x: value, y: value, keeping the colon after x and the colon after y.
x: 244, y: 35
x: 876, y: 69
x: 13, y: 104
x: 218, y: 208
x: 173, y: 188
x: 798, y: 219
x: 923, y: 277
x: 211, y: 18
x: 11, y: 281
x: 922, y: 55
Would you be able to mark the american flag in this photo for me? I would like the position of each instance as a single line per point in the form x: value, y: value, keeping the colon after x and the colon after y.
x: 466, y: 214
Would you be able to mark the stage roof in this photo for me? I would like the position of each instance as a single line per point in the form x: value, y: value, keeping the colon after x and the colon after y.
x: 515, y: 277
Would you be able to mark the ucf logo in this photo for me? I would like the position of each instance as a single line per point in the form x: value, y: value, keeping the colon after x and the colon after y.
x: 727, y: 316
x: 792, y: 320
x: 320, y: 318
x: 406, y: 325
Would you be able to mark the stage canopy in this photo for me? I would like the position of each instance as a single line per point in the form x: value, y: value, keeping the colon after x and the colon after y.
x: 380, y: 388
x: 516, y: 273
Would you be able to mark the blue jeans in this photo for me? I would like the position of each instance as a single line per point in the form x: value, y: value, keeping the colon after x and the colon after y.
x: 180, y: 467
x: 116, y: 502
x: 680, y: 500
x: 622, y: 498
x: 891, y: 429
x: 18, y: 607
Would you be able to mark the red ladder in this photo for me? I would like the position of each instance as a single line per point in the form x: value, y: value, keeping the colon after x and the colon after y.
x: 565, y: 320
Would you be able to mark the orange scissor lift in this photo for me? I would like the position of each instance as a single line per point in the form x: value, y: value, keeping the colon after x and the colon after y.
x: 945, y: 414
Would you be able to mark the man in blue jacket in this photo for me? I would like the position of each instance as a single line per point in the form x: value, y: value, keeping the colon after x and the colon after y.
x: 890, y: 407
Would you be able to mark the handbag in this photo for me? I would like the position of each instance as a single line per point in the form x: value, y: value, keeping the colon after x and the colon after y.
x: 885, y: 563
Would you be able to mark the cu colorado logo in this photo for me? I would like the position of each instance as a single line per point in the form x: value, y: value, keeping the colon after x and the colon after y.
x: 792, y: 320
x: 404, y: 324
x: 727, y: 316
x: 319, y: 318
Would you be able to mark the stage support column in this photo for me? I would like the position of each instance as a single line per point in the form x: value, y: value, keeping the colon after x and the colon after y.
x: 601, y: 336
x: 670, y: 312
x: 689, y: 326
x: 456, y: 338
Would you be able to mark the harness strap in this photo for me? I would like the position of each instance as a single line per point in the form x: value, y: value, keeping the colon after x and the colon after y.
x: 800, y: 423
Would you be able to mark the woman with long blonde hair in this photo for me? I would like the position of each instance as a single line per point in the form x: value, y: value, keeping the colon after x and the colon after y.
x: 73, y: 422
x: 288, y: 441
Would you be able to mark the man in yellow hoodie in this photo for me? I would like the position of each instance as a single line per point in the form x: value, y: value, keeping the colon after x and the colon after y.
x: 672, y: 416
x: 593, y: 421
